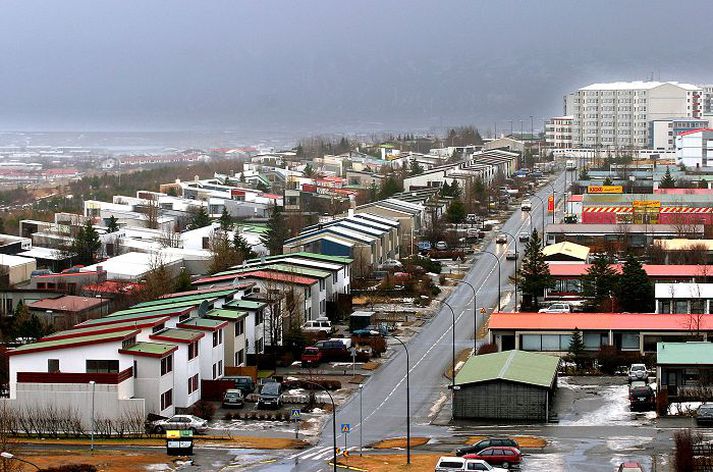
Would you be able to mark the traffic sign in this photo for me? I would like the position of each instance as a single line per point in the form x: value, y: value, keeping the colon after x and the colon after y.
x: 482, y: 311
x: 346, y: 453
x: 295, y: 413
x: 346, y: 427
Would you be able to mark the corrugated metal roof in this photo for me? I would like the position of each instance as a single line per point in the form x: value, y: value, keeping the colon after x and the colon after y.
x: 150, y: 348
x: 595, y: 322
x: 697, y: 353
x: 515, y: 366
x: 187, y: 298
x: 228, y: 315
x: 60, y: 343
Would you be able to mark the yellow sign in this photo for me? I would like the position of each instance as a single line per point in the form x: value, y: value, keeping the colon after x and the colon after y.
x: 605, y: 189
x: 646, y: 204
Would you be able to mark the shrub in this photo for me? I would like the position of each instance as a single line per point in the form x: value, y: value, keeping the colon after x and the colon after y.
x: 328, y: 384
x: 204, y: 409
x: 609, y: 358
x: 488, y: 349
x: 228, y: 416
x: 683, y: 452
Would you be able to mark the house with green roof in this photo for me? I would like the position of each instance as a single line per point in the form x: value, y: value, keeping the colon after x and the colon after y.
x: 682, y: 368
x: 509, y: 385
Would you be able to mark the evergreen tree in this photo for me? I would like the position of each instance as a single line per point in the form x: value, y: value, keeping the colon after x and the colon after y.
x: 262, y: 187
x: 199, y: 218
x: 456, y: 212
x: 599, y: 282
x: 584, y: 174
x: 455, y: 189
x: 183, y: 281
x: 415, y: 168
x: 607, y: 181
x: 309, y: 171
x: 225, y: 220
x: 701, y: 184
x: 534, y: 273
x: 389, y: 187
x: 112, y: 226
x: 667, y: 181
x: 277, y: 231
x: 373, y: 192
x: 445, y: 189
x: 575, y: 351
x: 86, y: 244
x: 634, y: 291
x: 243, y: 247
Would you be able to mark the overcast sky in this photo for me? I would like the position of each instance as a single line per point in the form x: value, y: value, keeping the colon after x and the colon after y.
x: 329, y: 65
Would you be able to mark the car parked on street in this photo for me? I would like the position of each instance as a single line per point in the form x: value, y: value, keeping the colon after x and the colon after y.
x: 195, y: 424
x: 641, y: 397
x: 391, y: 265
x: 270, y: 395
x: 318, y: 325
x: 451, y: 464
x: 638, y: 372
x: 704, y: 414
x: 557, y: 308
x: 501, y: 238
x: 630, y: 467
x: 441, y: 245
x: 485, y: 443
x: 523, y: 237
x: 498, y: 455
x: 244, y: 383
x: 233, y: 398
x: 311, y: 356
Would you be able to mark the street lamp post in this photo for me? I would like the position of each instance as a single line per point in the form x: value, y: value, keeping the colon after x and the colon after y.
x: 10, y: 456
x: 475, y: 316
x: 361, y: 421
x: 408, y: 402
x: 542, y: 202
x: 334, y: 423
x: 517, y: 256
x: 497, y: 259
x: 554, y: 202
x: 94, y: 385
x: 453, y: 347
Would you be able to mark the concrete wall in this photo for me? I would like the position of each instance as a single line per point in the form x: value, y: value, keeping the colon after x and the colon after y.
x: 500, y: 400
x: 149, y: 384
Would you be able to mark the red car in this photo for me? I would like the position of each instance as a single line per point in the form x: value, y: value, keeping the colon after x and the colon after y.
x: 498, y: 455
x: 630, y: 467
x: 311, y: 356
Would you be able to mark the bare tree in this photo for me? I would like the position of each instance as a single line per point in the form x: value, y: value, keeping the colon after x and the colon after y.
x: 224, y: 255
x: 170, y: 238
x: 152, y: 210
x: 8, y: 443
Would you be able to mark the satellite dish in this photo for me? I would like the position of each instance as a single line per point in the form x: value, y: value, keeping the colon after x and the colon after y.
x: 203, y: 308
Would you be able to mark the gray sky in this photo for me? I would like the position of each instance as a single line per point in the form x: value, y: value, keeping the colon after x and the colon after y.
x: 308, y: 66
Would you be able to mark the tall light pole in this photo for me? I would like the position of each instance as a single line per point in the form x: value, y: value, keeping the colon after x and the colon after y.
x: 453, y: 346
x: 10, y: 456
x: 361, y: 416
x: 334, y: 423
x: 475, y: 316
x: 408, y: 402
x: 542, y: 201
x: 497, y: 259
x: 517, y: 256
x: 94, y: 387
x: 554, y: 201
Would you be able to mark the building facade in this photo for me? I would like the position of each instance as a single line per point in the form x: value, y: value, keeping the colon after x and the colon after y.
x: 558, y: 132
x: 694, y: 147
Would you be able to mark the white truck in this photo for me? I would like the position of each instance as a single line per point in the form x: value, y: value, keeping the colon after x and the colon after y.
x: 570, y: 165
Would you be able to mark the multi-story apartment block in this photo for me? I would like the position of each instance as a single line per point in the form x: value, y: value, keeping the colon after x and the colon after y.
x: 558, y: 132
x: 662, y: 133
x: 695, y: 148
x: 617, y: 114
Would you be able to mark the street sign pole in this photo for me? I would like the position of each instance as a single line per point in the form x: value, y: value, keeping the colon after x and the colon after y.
x: 353, y: 361
x: 295, y: 415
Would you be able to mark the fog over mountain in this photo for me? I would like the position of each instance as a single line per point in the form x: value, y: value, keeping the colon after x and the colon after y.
x: 308, y: 66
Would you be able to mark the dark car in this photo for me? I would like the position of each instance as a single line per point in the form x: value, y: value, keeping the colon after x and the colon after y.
x: 704, y: 415
x: 333, y: 351
x: 502, y: 456
x: 642, y: 398
x: 483, y: 443
x: 242, y: 382
x: 270, y: 396
x: 233, y: 398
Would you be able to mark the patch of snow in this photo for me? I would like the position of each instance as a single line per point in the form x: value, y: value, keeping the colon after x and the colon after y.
x: 683, y: 408
x: 158, y: 467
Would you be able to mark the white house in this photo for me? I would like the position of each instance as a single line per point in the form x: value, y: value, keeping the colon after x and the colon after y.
x: 694, y: 148
x: 684, y: 297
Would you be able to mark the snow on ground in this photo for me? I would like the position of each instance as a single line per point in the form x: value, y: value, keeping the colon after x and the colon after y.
x: 683, y: 408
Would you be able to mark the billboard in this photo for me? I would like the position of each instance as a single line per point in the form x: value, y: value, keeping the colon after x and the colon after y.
x: 605, y: 189
x: 646, y: 204
x: 551, y: 203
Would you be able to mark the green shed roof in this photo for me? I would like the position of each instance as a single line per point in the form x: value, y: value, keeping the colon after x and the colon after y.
x: 150, y: 348
x: 202, y: 323
x: 186, y: 298
x: 60, y: 343
x: 245, y: 304
x: 82, y: 329
x: 228, y: 315
x: 515, y: 366
x: 178, y: 334
x: 692, y: 352
x: 166, y: 306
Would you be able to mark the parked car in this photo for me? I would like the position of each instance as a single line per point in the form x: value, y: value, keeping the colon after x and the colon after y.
x: 704, y: 414
x: 311, y: 356
x: 484, y: 443
x: 504, y: 456
x: 233, y: 398
x: 450, y: 464
x: 511, y: 255
x: 441, y: 245
x: 638, y: 372
x: 391, y: 265
x: 424, y: 246
x: 333, y: 350
x: 244, y: 383
x: 318, y: 325
x: 557, y: 308
x: 630, y: 467
x: 501, y: 238
x: 642, y: 398
x: 526, y: 205
x: 195, y: 424
x: 270, y: 395
x: 523, y: 237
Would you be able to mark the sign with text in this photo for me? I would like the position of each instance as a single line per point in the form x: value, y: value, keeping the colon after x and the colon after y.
x: 605, y: 189
x: 646, y: 204
x: 551, y: 203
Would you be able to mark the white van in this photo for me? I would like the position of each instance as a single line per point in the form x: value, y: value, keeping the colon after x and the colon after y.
x: 451, y: 464
x: 318, y: 325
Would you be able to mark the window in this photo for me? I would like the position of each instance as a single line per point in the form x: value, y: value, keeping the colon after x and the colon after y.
x: 215, y: 371
x: 240, y: 357
x: 193, y: 384
x: 680, y: 306
x: 52, y: 365
x: 192, y: 350
x: 258, y: 346
x: 136, y: 369
x: 126, y: 343
x: 158, y: 328
x: 220, y: 368
x: 216, y: 338
x: 167, y: 364
x: 239, y: 328
x: 102, y: 366
x: 630, y: 342
x: 258, y: 317
x: 166, y: 399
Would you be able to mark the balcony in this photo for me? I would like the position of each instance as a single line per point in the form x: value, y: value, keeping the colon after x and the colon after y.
x: 107, y: 378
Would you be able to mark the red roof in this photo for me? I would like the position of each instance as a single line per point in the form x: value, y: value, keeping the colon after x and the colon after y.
x: 261, y: 274
x: 652, y: 270
x: 691, y: 131
x: 272, y: 196
x: 595, y: 321
x: 111, y: 286
x: 68, y: 303
x: 576, y: 198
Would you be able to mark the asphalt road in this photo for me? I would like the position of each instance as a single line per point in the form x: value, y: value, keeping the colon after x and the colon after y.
x: 384, y: 394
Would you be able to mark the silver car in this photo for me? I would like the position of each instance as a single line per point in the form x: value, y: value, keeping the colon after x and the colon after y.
x: 638, y: 372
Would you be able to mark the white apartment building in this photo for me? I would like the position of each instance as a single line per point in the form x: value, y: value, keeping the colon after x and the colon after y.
x: 693, y: 148
x: 663, y: 133
x: 558, y: 132
x: 617, y: 114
